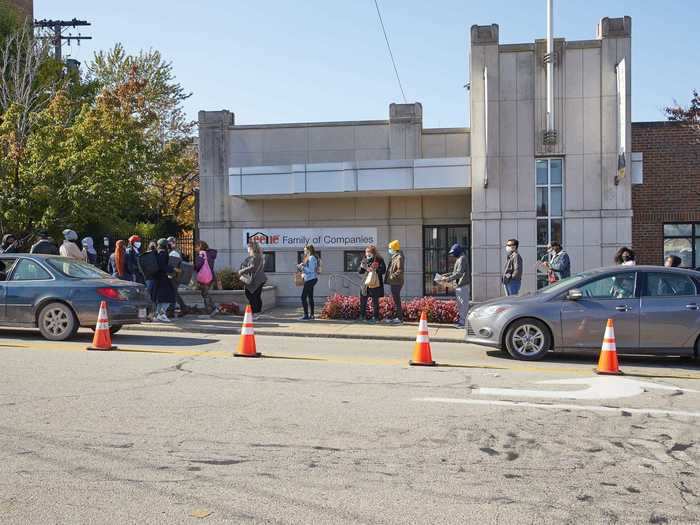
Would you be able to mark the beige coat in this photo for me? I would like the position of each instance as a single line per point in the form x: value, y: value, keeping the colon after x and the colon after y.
x: 71, y: 250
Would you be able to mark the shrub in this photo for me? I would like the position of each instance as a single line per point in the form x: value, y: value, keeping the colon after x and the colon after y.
x: 348, y: 307
x: 229, y: 279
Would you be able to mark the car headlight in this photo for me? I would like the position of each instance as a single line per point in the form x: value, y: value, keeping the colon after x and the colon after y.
x: 491, y: 311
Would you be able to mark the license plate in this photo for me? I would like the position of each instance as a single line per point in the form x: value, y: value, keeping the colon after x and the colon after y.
x: 143, y: 313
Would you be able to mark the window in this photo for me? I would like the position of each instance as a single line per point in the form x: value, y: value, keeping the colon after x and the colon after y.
x: 5, y: 267
x: 352, y: 260
x: 437, y: 241
x: 28, y: 270
x: 269, y: 266
x: 550, y: 207
x: 77, y: 269
x: 683, y: 240
x: 617, y: 286
x: 668, y: 284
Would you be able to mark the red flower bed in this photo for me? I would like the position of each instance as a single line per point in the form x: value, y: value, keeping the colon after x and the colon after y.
x: 348, y: 307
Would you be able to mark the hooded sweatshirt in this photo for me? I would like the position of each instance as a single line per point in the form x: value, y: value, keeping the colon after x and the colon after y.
x: 89, y: 252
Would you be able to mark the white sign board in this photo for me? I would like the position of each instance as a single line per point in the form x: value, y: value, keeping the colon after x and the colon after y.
x: 281, y: 238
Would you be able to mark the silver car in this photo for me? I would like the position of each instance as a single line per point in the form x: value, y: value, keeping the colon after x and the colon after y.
x: 655, y: 310
x: 59, y: 295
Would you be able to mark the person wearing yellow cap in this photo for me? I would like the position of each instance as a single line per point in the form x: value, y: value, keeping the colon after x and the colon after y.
x: 395, y: 279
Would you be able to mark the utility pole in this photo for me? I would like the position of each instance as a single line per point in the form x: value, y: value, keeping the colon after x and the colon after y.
x: 58, y: 37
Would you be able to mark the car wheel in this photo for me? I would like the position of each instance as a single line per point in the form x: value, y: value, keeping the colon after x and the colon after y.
x: 57, y: 322
x: 528, y: 339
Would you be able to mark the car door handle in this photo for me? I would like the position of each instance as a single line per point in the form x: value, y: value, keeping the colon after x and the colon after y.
x: 623, y: 308
x: 692, y: 307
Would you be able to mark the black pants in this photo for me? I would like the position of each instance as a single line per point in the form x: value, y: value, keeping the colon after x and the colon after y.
x: 255, y: 299
x: 307, y: 296
x: 363, y: 306
x: 396, y: 294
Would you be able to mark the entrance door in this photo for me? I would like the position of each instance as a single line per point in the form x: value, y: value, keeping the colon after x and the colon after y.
x: 437, y: 241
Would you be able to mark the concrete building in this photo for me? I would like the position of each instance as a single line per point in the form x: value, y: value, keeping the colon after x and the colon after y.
x: 544, y: 160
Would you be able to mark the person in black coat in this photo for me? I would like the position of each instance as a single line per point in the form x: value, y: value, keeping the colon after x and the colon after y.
x: 372, y: 262
x: 163, y: 290
x: 44, y: 245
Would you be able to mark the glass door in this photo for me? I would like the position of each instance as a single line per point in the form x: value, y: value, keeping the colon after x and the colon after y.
x: 437, y: 241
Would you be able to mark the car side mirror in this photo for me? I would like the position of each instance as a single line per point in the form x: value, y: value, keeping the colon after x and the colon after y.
x: 574, y: 295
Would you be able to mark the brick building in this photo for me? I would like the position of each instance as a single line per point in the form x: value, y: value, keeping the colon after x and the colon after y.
x: 666, y: 206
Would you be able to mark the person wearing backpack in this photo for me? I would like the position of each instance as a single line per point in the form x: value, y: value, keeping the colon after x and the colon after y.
x: 204, y: 266
x: 252, y: 275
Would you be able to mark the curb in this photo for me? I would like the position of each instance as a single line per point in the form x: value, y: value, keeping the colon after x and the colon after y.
x: 277, y: 333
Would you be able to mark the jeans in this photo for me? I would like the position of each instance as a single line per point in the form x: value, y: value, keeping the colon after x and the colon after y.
x: 363, y: 306
x: 396, y: 294
x: 162, y: 309
x: 208, y: 301
x: 255, y: 299
x: 512, y: 287
x: 462, y: 294
x: 307, y: 296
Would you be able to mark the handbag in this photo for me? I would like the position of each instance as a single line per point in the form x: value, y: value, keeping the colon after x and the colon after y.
x: 205, y: 276
x: 299, y: 279
x: 372, y: 279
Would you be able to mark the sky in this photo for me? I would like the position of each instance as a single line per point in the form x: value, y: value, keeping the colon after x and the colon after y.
x: 273, y: 61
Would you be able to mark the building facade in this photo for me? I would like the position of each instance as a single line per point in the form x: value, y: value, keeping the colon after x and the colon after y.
x: 343, y: 185
x: 667, y: 205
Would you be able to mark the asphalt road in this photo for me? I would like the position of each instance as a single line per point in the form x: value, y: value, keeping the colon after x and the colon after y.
x: 172, y: 429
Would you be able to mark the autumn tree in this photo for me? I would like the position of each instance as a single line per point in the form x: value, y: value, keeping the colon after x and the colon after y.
x: 689, y: 114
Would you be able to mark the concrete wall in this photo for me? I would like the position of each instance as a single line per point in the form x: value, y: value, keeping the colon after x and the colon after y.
x: 507, y: 133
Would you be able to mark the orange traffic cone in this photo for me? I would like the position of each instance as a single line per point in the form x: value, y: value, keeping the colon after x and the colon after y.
x: 102, y: 339
x: 246, y: 343
x: 607, y: 363
x: 421, y: 352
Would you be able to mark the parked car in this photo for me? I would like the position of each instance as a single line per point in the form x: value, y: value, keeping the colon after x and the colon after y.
x: 59, y: 295
x: 655, y: 310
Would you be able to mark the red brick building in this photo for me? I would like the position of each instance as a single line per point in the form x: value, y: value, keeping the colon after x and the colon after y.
x: 667, y: 205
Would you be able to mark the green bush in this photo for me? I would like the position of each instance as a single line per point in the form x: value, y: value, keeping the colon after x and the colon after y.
x: 229, y: 279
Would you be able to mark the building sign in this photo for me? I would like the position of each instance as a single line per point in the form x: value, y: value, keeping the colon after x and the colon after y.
x: 281, y: 238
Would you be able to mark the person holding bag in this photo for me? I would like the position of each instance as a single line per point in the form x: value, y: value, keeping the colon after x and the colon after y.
x: 373, y: 268
x: 309, y: 271
x: 252, y: 275
x: 204, y: 265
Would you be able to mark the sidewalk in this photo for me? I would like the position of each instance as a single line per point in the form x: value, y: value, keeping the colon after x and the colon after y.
x: 283, y: 321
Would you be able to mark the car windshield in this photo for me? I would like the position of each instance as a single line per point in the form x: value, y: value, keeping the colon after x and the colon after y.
x: 77, y: 269
x: 565, y: 283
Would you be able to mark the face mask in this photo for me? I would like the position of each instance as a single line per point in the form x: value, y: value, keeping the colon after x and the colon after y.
x: 369, y: 257
x: 625, y: 257
x: 137, y: 245
x: 509, y: 249
x: 391, y: 252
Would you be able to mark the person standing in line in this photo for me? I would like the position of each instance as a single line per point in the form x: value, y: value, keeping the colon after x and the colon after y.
x: 176, y: 262
x: 151, y: 281
x: 89, y: 252
x: 395, y: 279
x: 133, y: 268
x: 117, y: 262
x: 309, y: 268
x: 163, y: 293
x: 673, y: 261
x: 513, y: 270
x: 69, y: 248
x: 44, y: 245
x: 9, y: 244
x: 461, y: 276
x: 372, y: 262
x: 625, y: 257
x: 559, y: 264
x: 252, y: 275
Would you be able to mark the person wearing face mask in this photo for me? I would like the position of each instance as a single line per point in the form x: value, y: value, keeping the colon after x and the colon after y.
x: 69, y: 248
x: 252, y: 274
x: 374, y: 268
x: 559, y: 265
x: 672, y: 261
x: 309, y: 269
x: 133, y: 268
x: 395, y: 279
x: 624, y: 257
x: 513, y: 270
x: 461, y: 276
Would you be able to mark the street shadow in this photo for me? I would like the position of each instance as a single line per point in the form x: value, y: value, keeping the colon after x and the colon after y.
x: 85, y: 336
x: 636, y: 360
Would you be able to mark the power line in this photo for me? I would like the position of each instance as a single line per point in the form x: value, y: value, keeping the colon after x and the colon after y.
x: 388, y: 46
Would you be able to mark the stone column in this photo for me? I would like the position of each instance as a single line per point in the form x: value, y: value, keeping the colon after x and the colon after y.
x: 405, y: 128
